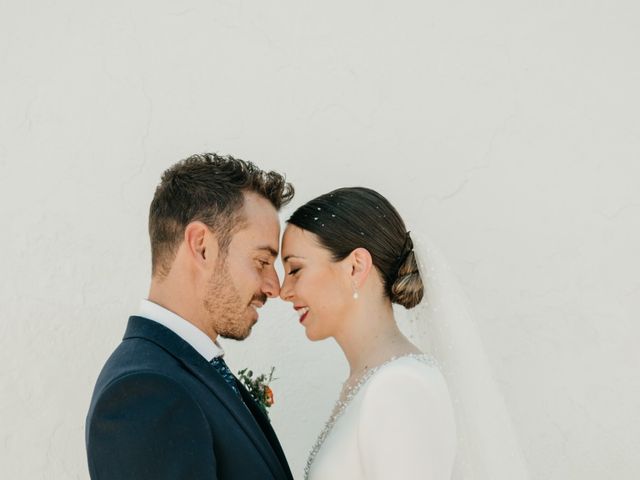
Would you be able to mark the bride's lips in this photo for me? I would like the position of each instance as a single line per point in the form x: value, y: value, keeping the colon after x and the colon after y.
x: 302, y: 311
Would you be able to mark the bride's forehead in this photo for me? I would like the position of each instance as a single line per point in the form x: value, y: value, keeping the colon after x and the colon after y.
x: 291, y: 232
x: 296, y: 240
x: 295, y: 234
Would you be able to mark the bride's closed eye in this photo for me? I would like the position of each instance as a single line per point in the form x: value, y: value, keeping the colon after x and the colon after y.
x: 293, y: 271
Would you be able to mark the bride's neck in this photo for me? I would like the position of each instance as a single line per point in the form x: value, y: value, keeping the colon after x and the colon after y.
x: 371, y: 338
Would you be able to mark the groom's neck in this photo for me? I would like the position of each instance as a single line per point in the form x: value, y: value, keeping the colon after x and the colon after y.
x: 178, y: 297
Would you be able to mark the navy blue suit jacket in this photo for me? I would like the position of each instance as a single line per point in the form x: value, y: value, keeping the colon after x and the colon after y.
x: 161, y: 411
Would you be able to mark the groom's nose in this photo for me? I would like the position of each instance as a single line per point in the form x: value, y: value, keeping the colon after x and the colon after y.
x: 271, y: 284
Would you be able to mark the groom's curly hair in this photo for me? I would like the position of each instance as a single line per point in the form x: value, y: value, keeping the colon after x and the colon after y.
x: 209, y: 188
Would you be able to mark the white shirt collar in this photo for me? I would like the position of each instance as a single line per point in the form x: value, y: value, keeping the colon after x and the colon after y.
x: 186, y: 330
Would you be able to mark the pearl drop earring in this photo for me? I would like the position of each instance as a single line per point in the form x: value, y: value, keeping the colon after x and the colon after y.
x: 355, y: 292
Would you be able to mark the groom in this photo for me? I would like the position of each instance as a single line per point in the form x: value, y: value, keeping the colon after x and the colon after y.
x: 165, y: 405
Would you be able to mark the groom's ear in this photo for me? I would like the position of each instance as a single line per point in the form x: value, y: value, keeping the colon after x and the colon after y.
x: 361, y: 264
x: 201, y: 243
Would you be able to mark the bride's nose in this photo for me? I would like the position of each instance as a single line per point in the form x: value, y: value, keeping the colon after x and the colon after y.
x: 286, y: 293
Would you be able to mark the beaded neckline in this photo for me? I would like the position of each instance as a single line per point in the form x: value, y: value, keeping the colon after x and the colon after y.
x: 350, y: 394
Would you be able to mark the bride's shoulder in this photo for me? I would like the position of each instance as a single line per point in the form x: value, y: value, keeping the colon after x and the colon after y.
x: 410, y: 364
x: 409, y: 373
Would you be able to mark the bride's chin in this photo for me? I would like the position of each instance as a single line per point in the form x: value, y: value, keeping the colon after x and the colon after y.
x: 313, y: 336
x: 310, y: 336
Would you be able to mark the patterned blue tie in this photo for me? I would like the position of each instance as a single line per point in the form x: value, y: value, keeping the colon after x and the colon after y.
x: 221, y: 366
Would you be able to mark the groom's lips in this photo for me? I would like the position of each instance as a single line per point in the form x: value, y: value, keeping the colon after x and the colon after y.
x: 256, y: 306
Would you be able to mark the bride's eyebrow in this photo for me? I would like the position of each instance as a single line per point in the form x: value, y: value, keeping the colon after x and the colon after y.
x: 286, y: 259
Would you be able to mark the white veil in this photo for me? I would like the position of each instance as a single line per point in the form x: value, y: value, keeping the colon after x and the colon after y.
x: 443, y: 325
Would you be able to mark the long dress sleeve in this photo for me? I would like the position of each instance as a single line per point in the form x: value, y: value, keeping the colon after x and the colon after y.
x: 406, y: 427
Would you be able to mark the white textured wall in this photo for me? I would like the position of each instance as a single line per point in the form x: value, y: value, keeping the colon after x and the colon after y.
x: 510, y: 129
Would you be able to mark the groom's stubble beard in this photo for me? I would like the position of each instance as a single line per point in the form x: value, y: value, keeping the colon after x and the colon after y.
x: 226, y: 308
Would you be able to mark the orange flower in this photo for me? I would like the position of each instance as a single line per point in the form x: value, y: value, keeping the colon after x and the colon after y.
x: 268, y: 396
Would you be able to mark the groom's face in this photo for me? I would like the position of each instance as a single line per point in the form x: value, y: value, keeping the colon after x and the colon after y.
x: 244, y: 279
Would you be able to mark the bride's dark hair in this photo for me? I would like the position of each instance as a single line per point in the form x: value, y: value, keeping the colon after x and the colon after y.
x: 354, y: 217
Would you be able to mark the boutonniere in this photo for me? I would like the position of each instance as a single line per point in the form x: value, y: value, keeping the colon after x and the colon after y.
x: 259, y: 388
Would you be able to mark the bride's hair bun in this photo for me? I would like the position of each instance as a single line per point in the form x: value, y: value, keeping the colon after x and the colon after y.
x: 353, y: 217
x: 407, y: 288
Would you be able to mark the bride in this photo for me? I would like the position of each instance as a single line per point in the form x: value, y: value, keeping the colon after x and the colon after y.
x: 401, y: 413
x: 347, y: 258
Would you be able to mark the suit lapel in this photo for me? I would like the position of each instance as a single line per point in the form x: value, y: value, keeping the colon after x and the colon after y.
x: 265, y: 425
x: 166, y: 339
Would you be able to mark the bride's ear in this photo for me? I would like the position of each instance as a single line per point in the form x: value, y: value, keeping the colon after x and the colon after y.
x: 361, y: 263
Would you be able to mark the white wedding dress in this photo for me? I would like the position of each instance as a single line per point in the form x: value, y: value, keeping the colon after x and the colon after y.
x: 396, y: 423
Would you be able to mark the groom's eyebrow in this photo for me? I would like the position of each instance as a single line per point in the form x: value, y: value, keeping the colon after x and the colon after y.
x: 270, y: 250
